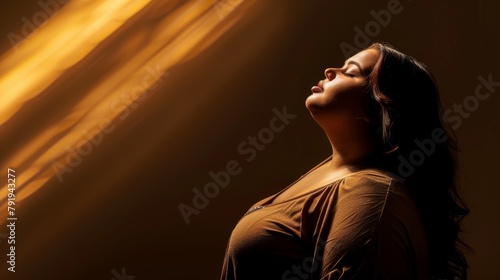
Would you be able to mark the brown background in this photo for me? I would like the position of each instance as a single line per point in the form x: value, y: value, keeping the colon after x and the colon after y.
x: 88, y: 225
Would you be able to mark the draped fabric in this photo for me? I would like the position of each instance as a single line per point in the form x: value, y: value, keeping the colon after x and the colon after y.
x: 362, y: 226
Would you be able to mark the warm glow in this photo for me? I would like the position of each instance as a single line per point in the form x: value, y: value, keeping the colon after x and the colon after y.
x: 69, y: 37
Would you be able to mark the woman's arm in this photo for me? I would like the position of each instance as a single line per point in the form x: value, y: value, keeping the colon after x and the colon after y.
x: 368, y: 237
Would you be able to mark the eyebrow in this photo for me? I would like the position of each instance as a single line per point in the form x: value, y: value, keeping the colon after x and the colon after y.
x: 355, y: 63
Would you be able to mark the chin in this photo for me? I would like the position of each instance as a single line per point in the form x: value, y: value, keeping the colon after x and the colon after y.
x: 314, y: 102
x: 313, y: 108
x: 311, y: 100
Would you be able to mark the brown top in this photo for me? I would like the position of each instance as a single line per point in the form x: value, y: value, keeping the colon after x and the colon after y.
x: 362, y: 226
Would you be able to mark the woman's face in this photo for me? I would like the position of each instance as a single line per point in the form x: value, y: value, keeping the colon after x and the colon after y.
x: 343, y: 91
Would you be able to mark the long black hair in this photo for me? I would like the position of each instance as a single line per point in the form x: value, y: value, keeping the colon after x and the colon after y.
x: 414, y: 142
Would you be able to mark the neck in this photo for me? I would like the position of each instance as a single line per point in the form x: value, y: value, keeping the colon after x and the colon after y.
x: 355, y: 161
x: 351, y: 149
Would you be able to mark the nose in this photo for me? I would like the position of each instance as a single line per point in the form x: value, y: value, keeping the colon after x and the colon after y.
x: 330, y: 73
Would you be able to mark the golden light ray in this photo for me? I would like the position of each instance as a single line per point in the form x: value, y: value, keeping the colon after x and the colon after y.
x: 70, y: 36
x: 45, y: 56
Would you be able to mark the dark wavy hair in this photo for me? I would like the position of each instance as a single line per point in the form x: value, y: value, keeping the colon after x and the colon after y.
x: 405, y: 111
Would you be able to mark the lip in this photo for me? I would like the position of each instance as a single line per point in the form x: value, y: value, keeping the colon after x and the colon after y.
x: 318, y: 88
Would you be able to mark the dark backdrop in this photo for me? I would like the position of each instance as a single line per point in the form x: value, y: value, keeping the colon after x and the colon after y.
x: 90, y: 225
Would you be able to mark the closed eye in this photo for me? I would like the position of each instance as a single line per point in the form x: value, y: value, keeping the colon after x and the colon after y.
x: 348, y: 75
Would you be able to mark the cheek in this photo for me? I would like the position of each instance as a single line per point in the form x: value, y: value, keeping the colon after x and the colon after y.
x: 339, y: 94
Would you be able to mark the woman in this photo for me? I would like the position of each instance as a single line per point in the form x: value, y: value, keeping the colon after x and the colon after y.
x: 384, y: 205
